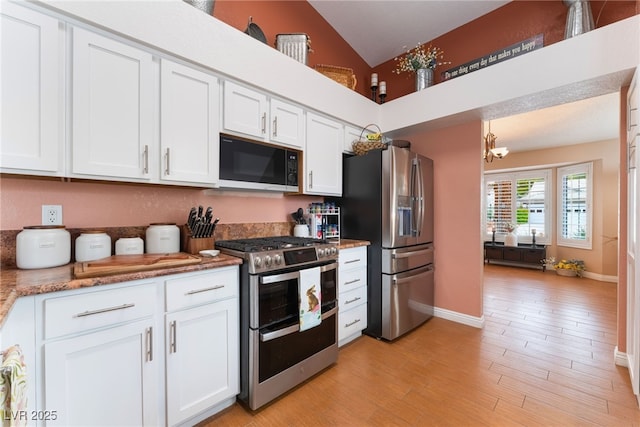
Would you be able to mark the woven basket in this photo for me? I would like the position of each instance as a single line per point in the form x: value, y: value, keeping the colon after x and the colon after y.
x: 342, y: 75
x: 363, y: 146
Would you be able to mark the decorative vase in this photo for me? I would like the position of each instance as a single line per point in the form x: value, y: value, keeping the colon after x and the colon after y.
x: 579, y: 18
x: 565, y: 272
x: 511, y: 239
x: 424, y: 78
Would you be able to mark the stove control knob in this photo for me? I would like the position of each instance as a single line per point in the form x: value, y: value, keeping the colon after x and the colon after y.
x: 257, y: 261
x: 267, y: 261
x: 277, y: 259
x: 333, y: 251
x: 320, y: 252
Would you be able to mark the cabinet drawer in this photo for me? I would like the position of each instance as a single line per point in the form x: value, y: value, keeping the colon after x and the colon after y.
x: 353, y: 258
x: 98, y: 309
x: 533, y: 255
x: 352, y: 298
x: 352, y: 322
x: 351, y: 279
x: 199, y: 288
x: 512, y: 254
x: 493, y: 253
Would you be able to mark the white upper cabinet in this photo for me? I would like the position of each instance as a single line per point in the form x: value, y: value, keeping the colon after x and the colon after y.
x: 113, y: 98
x: 31, y: 80
x: 245, y: 111
x: 287, y: 124
x: 323, y: 156
x: 189, y: 133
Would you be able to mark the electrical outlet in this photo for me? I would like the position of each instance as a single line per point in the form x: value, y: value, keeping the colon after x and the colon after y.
x: 51, y: 214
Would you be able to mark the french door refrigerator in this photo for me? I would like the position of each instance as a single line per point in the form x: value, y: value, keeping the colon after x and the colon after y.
x: 388, y: 199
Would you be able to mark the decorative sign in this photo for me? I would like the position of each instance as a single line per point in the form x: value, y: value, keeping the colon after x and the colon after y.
x: 517, y: 49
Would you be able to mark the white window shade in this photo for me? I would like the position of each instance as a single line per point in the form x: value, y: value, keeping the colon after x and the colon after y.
x: 575, y: 207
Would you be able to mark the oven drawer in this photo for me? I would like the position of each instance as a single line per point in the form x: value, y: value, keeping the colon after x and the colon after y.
x: 352, y: 298
x: 200, y: 288
x: 88, y: 310
x: 352, y: 322
x: 351, y: 279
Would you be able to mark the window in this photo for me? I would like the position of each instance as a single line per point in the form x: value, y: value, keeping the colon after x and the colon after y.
x: 519, y: 198
x: 574, y: 202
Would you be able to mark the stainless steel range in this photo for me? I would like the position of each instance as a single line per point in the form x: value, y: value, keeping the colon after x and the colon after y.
x: 276, y: 351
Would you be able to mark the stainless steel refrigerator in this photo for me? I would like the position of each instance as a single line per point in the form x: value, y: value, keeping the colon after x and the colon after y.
x: 388, y: 199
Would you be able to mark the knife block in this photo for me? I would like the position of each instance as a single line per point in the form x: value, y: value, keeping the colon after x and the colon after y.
x: 194, y: 246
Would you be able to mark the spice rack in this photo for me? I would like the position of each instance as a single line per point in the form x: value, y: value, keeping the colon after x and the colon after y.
x: 324, y: 221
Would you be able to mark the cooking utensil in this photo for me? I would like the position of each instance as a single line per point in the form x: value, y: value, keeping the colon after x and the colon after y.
x: 254, y: 31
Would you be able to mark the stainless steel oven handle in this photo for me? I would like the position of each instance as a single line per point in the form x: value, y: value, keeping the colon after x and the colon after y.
x: 292, y: 329
x: 265, y: 280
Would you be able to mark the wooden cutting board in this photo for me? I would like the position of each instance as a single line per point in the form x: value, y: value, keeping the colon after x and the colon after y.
x: 119, y: 264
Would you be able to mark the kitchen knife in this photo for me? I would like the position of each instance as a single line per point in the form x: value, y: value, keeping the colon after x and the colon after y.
x: 208, y: 214
x: 200, y: 209
x: 192, y: 218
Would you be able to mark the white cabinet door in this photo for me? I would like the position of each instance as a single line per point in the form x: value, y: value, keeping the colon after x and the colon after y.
x: 113, y: 97
x: 323, y: 156
x: 202, y: 358
x: 189, y: 135
x: 109, y: 377
x: 31, y: 60
x: 287, y: 124
x: 245, y: 111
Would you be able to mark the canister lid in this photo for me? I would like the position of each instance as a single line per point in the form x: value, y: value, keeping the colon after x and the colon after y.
x: 94, y: 232
x: 42, y: 227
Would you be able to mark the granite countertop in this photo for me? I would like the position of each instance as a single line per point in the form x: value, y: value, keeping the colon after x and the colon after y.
x: 15, y: 283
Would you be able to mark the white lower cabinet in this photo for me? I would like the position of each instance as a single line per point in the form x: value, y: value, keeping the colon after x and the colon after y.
x: 108, y: 357
x: 352, y: 294
x: 100, y: 356
x: 202, y: 345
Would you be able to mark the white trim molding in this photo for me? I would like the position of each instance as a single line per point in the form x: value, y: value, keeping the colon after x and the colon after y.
x: 454, y: 316
x: 620, y: 358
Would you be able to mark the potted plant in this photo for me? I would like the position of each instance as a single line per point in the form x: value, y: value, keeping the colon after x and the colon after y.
x: 571, y: 267
x: 422, y: 61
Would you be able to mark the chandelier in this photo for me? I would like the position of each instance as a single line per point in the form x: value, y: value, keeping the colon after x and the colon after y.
x: 490, y: 149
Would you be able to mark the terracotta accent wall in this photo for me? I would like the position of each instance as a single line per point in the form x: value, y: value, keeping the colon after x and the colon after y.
x: 104, y: 204
x: 457, y: 164
x: 288, y: 17
x: 512, y: 23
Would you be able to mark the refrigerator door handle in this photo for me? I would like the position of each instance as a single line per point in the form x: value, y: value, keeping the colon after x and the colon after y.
x: 414, y: 176
x: 420, y: 198
x: 409, y: 254
x: 399, y: 281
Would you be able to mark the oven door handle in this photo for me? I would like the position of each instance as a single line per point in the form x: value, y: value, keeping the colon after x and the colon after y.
x: 292, y: 329
x: 265, y: 280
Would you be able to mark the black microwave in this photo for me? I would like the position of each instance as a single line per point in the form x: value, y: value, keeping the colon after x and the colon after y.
x: 257, y: 166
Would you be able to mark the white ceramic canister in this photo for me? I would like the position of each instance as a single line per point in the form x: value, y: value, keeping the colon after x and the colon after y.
x: 91, y: 245
x: 129, y: 246
x: 301, y: 230
x: 43, y: 246
x: 162, y: 238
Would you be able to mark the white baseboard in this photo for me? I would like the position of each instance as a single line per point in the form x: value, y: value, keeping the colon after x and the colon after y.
x: 600, y: 277
x: 454, y: 316
x: 620, y: 358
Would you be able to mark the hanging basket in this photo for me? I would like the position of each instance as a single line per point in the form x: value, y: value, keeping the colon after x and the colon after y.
x: 370, y: 142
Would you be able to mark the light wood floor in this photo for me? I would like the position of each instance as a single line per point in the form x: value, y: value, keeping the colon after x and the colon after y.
x: 544, y: 357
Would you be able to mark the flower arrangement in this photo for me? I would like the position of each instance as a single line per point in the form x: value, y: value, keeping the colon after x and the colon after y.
x: 420, y: 57
x: 576, y: 265
x: 509, y: 226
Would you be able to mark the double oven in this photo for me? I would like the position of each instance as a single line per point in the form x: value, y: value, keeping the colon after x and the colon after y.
x: 276, y: 354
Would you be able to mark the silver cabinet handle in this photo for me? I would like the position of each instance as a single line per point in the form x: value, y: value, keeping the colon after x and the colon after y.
x: 351, y: 261
x: 149, y: 344
x: 346, y: 325
x: 275, y: 126
x: 104, y: 310
x: 352, y: 300
x: 167, y: 159
x: 264, y: 122
x: 310, y: 179
x: 197, y: 291
x: 145, y: 154
x: 172, y: 337
x: 352, y: 281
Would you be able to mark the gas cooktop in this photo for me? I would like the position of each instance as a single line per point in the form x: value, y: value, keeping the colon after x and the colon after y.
x: 278, y: 252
